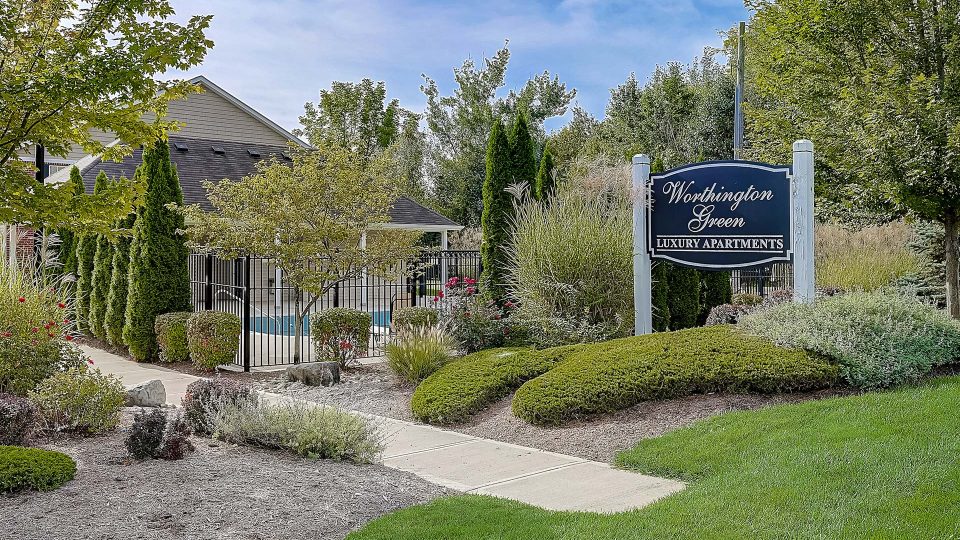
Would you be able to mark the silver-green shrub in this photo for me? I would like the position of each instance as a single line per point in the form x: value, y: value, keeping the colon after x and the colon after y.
x: 571, y: 257
x: 298, y: 426
x: 878, y: 338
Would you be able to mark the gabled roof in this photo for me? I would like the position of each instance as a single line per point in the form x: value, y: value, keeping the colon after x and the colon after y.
x: 196, y: 162
x: 211, y: 87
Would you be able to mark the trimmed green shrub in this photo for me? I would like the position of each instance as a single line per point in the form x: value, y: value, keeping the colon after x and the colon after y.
x: 878, y: 338
x: 171, y: 329
x: 83, y: 401
x: 34, y: 330
x: 113, y: 319
x: 34, y: 468
x: 497, y: 212
x: 467, y: 385
x: 213, y: 338
x: 418, y: 351
x: 204, y: 397
x: 100, y: 286
x: 614, y: 375
x: 684, y: 296
x: 158, y: 278
x: 300, y: 427
x: 18, y: 418
x: 715, y: 291
x: 70, y: 239
x: 407, y: 317
x: 340, y: 334
x: 146, y: 433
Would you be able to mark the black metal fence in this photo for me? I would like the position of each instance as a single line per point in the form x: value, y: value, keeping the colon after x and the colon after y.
x: 254, y: 289
x: 762, y: 280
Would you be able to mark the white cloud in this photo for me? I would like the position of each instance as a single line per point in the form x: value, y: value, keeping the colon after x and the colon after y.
x: 277, y: 54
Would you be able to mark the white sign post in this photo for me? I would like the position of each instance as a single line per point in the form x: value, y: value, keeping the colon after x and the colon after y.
x: 642, y: 273
x: 803, y: 289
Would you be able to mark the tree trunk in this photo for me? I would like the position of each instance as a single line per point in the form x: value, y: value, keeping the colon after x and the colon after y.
x: 298, y: 330
x: 951, y: 226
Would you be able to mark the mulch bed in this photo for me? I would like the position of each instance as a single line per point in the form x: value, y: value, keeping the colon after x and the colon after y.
x: 218, y: 492
x: 374, y: 389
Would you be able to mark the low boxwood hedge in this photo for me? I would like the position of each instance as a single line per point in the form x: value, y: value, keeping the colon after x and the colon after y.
x: 613, y: 375
x: 171, y: 329
x: 34, y: 468
x: 467, y: 385
x: 213, y: 338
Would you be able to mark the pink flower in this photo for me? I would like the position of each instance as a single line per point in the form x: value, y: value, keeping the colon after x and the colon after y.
x: 90, y: 360
x: 470, y: 291
x: 470, y: 281
x: 452, y: 282
x: 436, y: 298
x: 508, y: 304
x: 34, y: 329
x: 345, y: 345
x: 440, y: 294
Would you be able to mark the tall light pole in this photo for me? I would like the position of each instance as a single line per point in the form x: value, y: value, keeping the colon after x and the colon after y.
x: 738, y: 96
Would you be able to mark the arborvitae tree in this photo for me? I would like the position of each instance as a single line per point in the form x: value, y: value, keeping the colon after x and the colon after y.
x: 543, y: 186
x: 684, y: 300
x: 523, y: 153
x: 497, y: 211
x: 117, y: 297
x: 660, y: 299
x: 100, y: 285
x: 158, y: 279
x: 69, y: 239
x: 86, y: 253
x: 716, y: 290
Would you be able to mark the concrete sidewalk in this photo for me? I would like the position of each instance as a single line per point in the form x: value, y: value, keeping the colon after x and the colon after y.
x: 469, y: 464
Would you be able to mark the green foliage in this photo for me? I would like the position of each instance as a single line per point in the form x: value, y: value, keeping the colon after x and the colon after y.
x: 317, y: 241
x: 213, y: 338
x: 878, y: 338
x: 100, y: 278
x: 459, y: 127
x: 205, y: 397
x: 18, y: 419
x: 171, y: 330
x: 158, y: 279
x: 683, y: 284
x: 34, y: 329
x: 543, y: 185
x: 146, y: 434
x: 523, y: 153
x: 610, y: 376
x: 475, y: 322
x: 418, y: 351
x: 927, y: 246
x: 86, y: 258
x: 68, y: 238
x: 716, y: 290
x: 34, y: 468
x: 660, y: 296
x: 80, y: 400
x: 410, y: 317
x: 467, y: 385
x: 113, y: 320
x: 299, y: 427
x: 72, y: 70
x: 497, y: 213
x: 340, y: 334
x: 830, y: 468
x: 865, y: 259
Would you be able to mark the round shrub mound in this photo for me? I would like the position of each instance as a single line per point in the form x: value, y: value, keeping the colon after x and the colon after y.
x: 213, y: 338
x: 34, y: 468
x: 467, y: 385
x: 340, y: 334
x: 878, y: 338
x: 614, y: 375
x: 171, y: 329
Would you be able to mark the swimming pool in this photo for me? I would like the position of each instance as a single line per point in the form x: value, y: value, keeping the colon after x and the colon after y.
x: 286, y: 325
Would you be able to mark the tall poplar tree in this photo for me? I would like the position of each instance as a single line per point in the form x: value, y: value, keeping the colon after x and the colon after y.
x: 100, y: 284
x: 86, y: 254
x: 158, y: 280
x: 68, y: 238
x: 497, y: 209
x: 543, y: 186
x: 119, y: 278
x: 523, y: 153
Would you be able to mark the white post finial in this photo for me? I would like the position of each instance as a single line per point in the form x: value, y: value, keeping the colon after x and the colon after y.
x: 642, y: 275
x: 803, y: 273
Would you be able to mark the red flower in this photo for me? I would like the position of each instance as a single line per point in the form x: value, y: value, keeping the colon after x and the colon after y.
x: 34, y: 329
x: 470, y: 291
x: 508, y: 304
x: 66, y: 321
x: 50, y: 334
x: 436, y: 298
x: 69, y: 338
x: 61, y: 305
x: 440, y: 294
x: 21, y: 299
x: 345, y: 345
x: 90, y: 361
x: 470, y: 281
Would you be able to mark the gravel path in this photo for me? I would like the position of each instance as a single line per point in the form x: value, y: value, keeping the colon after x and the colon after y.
x: 376, y: 390
x: 218, y: 492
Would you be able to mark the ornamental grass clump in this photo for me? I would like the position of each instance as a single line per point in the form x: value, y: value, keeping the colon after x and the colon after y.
x: 418, y: 351
x: 34, y: 468
x: 878, y: 338
x: 865, y: 259
x: 298, y: 426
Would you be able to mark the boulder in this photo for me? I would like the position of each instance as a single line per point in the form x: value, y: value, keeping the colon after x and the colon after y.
x: 315, y: 373
x: 148, y: 394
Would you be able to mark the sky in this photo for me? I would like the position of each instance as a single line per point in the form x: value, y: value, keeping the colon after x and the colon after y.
x: 275, y: 55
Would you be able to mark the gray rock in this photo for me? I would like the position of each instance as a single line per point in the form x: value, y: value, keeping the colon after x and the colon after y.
x: 148, y: 394
x: 315, y: 374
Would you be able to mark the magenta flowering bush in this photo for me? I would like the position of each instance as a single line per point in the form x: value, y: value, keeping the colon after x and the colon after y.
x: 475, y: 322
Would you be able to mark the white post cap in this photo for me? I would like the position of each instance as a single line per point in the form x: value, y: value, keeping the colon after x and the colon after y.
x: 803, y: 145
x: 641, y: 159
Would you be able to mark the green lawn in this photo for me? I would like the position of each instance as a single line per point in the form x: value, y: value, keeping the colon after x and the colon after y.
x: 881, y: 465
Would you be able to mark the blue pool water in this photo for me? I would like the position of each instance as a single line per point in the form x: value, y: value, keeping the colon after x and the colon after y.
x: 287, y: 324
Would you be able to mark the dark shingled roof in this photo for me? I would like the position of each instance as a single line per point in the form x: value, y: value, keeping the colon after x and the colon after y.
x: 199, y: 163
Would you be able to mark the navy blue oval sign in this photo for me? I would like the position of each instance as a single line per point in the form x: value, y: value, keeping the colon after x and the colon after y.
x: 721, y: 214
